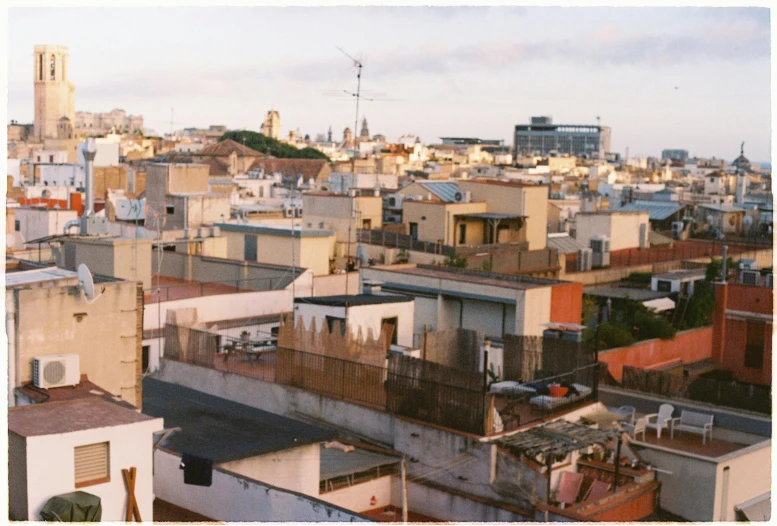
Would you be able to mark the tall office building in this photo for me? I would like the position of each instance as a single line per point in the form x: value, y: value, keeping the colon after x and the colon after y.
x: 542, y: 137
x: 54, y: 94
x: 675, y: 155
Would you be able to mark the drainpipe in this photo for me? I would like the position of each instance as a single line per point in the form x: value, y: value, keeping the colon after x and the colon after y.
x: 724, y: 270
x: 89, y: 154
x: 10, y: 329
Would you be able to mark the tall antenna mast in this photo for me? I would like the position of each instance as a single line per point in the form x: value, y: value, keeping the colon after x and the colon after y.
x: 358, y: 65
x: 171, y: 122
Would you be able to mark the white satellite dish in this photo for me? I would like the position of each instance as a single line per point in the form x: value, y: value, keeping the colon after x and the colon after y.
x: 86, y: 282
x: 709, y: 219
x: 748, y: 220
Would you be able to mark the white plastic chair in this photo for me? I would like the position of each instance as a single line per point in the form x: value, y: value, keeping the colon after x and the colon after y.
x: 636, y: 428
x: 660, y: 420
x: 628, y: 411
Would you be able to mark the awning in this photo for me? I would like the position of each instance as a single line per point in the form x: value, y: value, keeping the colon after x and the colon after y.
x: 757, y: 509
x: 659, y: 304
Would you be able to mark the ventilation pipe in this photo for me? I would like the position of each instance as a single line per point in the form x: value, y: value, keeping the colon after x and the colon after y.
x: 90, y: 151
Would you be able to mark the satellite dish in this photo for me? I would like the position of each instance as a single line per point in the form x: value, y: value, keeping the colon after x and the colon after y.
x: 710, y: 219
x: 748, y: 220
x: 86, y: 282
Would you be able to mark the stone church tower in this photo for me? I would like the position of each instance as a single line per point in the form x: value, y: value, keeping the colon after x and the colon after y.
x: 54, y: 94
x: 272, y: 125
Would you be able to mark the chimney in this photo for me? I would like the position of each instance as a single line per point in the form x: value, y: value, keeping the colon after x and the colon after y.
x: 89, y: 154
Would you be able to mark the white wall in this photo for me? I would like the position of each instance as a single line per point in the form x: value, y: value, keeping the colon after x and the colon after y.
x: 223, y: 306
x: 235, y: 498
x: 14, y: 170
x: 334, y: 284
x: 51, y: 469
x: 107, y: 153
x: 62, y: 175
x: 294, y: 469
x: 35, y: 223
x: 533, y: 312
x: 364, y: 317
x: 749, y: 475
x: 386, y: 490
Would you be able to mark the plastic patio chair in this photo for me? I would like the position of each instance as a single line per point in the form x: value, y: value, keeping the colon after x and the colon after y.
x: 636, y: 428
x: 628, y: 410
x: 569, y: 487
x: 660, y: 420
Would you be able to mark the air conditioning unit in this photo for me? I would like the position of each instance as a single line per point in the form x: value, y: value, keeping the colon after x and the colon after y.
x: 750, y: 277
x: 187, y: 234
x: 600, y: 247
x: 768, y: 281
x: 677, y: 229
x: 57, y: 370
x: 748, y: 264
x: 460, y: 197
x: 394, y: 202
x: 467, y: 196
x: 584, y: 259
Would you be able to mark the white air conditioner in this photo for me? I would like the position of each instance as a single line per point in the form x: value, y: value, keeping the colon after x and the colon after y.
x: 748, y: 264
x: 57, y: 370
x: 584, y: 259
x: 394, y: 202
x: 750, y: 277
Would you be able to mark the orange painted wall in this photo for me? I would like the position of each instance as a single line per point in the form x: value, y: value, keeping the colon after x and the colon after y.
x: 689, y: 346
x: 633, y: 510
x: 566, y: 303
x: 730, y: 335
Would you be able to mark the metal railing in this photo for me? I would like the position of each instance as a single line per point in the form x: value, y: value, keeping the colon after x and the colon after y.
x: 402, y: 241
x: 209, y: 288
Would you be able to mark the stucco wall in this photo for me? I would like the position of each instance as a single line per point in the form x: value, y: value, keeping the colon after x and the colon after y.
x: 105, y: 339
x: 566, y: 303
x: 36, y: 223
x: 386, y: 490
x: 235, y: 498
x: 456, y: 508
x: 439, y: 222
x: 690, y: 346
x: 52, y: 471
x: 294, y: 469
x: 335, y: 284
x: 749, y: 475
x: 533, y: 312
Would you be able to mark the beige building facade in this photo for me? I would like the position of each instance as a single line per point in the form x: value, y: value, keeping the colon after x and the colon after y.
x: 439, y: 222
x: 54, y: 93
x: 624, y: 229
x: 333, y: 211
x: 272, y: 125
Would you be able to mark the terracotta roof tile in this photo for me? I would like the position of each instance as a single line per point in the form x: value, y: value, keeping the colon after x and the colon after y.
x: 225, y: 148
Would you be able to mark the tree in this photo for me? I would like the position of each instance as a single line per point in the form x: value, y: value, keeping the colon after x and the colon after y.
x: 264, y: 144
x: 455, y: 261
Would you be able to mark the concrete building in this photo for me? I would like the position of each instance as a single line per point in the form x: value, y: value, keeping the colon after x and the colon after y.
x: 542, y: 137
x: 494, y: 305
x: 56, y: 448
x: 623, y: 229
x: 54, y: 93
x: 37, y: 223
x: 674, y: 155
x: 47, y: 314
x: 88, y: 123
x: 313, y: 248
x: 343, y: 214
x: 677, y: 281
x: 363, y: 313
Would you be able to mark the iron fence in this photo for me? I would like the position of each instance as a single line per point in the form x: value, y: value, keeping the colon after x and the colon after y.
x: 402, y: 241
x: 719, y: 392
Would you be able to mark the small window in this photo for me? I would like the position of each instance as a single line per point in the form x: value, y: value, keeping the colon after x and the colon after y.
x: 92, y: 464
x: 51, y: 158
x: 17, y: 225
x: 170, y: 209
x: 144, y: 359
x: 754, y: 346
x: 462, y: 234
x: 53, y: 65
x: 664, y: 286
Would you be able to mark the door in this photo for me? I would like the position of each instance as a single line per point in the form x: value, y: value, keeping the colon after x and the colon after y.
x: 414, y: 231
x: 390, y: 324
x: 249, y: 248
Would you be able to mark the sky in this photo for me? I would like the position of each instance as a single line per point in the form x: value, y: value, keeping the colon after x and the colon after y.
x: 690, y: 78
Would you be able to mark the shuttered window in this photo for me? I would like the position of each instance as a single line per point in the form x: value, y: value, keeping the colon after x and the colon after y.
x: 92, y: 464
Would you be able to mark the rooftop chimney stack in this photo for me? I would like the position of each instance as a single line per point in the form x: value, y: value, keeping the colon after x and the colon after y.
x: 89, y: 154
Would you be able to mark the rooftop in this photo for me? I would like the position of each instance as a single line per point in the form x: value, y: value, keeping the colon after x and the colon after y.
x: 337, y: 463
x: 473, y: 276
x: 657, y: 210
x: 28, y: 277
x: 69, y: 416
x: 564, y: 243
x: 275, y: 230
x: 445, y: 190
x: 171, y: 288
x: 724, y: 208
x: 625, y: 292
x: 353, y: 300
x: 84, y: 389
x: 225, y: 148
x: 682, y: 274
x: 220, y: 429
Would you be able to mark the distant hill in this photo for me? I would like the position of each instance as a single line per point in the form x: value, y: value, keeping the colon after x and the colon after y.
x: 262, y: 143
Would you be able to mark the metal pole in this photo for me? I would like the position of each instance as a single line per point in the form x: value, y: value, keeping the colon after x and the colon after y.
x: 724, y: 269
x: 403, y: 466
x: 617, y: 463
x: 549, y: 464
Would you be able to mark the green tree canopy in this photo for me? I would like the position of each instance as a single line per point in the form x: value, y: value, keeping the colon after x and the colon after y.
x: 263, y: 144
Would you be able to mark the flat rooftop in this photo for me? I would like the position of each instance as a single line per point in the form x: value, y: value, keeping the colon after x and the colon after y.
x: 470, y: 276
x: 220, y: 429
x: 353, y: 300
x: 84, y: 389
x: 28, y: 277
x: 682, y: 274
x: 56, y: 418
x: 605, y: 291
x: 181, y: 289
x: 338, y: 463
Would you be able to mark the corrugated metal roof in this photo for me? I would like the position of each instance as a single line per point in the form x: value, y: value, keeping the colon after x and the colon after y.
x: 723, y: 208
x: 336, y: 463
x: 657, y: 210
x: 658, y: 240
x: 565, y: 244
x: 26, y: 277
x: 446, y: 191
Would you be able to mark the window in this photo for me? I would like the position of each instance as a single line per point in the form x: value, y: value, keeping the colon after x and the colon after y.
x: 52, y: 66
x: 144, y: 358
x: 17, y: 225
x: 170, y: 209
x: 754, y: 346
x: 92, y: 464
x: 40, y: 67
x: 331, y: 321
x: 664, y: 286
x: 51, y: 158
x: 367, y: 224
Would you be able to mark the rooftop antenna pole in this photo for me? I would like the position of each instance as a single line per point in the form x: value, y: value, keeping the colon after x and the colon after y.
x: 358, y: 66
x: 171, y: 122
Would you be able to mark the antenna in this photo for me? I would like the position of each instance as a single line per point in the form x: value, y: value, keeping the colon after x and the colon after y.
x: 86, y: 283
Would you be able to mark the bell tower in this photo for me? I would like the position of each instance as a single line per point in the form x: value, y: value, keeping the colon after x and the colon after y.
x: 54, y: 93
